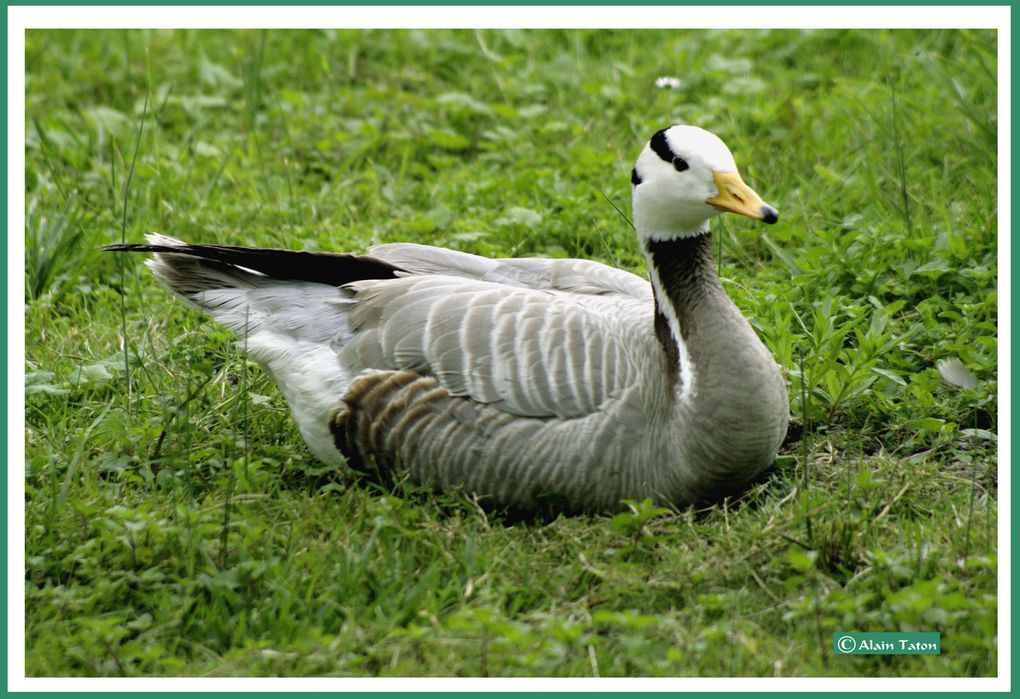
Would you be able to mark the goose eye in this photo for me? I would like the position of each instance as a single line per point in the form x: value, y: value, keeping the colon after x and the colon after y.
x: 679, y: 164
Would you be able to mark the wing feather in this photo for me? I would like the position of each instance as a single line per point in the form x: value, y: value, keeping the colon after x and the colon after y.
x: 537, y: 353
x: 576, y: 276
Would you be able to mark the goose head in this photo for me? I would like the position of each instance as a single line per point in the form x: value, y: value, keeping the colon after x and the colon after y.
x: 684, y: 176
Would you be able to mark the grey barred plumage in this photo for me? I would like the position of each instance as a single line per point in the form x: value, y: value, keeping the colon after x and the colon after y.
x: 526, y: 381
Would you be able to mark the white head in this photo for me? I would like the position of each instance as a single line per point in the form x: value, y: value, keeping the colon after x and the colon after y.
x: 683, y: 177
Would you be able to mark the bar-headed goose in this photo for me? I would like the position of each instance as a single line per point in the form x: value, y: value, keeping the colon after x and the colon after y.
x: 533, y: 382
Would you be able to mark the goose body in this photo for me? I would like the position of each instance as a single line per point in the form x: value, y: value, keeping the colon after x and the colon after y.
x: 536, y: 383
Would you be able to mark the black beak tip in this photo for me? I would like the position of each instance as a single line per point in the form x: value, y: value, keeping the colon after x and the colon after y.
x: 769, y: 215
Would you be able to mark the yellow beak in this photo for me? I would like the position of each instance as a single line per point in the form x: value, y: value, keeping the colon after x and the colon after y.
x: 734, y: 195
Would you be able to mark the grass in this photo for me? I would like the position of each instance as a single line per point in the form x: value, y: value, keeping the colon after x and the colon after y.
x: 175, y: 523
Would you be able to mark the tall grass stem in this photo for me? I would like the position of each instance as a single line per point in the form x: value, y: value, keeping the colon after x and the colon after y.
x: 121, y: 258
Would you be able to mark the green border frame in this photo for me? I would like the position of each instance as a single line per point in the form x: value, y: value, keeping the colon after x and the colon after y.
x: 4, y: 381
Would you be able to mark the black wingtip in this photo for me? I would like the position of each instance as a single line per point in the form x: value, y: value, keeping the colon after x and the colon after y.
x: 335, y: 269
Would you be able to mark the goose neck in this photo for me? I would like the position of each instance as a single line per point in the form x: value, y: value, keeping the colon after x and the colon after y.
x: 685, y: 286
x: 728, y: 397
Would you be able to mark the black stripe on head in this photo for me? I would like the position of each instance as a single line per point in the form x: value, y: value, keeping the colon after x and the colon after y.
x: 661, y: 146
x: 635, y: 179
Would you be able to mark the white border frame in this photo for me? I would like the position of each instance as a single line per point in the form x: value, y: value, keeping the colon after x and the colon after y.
x: 21, y: 18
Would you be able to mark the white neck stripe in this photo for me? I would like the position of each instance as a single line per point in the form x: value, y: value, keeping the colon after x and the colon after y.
x: 686, y: 388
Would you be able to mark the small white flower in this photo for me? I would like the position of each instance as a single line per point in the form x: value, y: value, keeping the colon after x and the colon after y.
x: 668, y: 81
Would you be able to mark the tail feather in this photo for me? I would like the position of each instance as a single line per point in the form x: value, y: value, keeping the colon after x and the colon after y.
x: 288, y: 308
x: 334, y: 269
